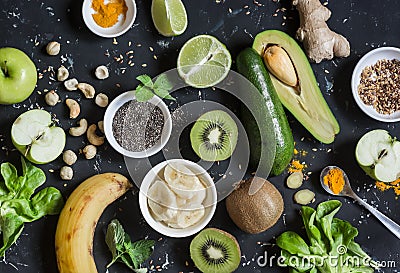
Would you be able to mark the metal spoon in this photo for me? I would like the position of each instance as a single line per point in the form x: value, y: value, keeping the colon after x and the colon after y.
x: 348, y: 192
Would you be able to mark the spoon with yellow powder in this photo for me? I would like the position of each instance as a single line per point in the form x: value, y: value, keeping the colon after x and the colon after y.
x: 335, y: 181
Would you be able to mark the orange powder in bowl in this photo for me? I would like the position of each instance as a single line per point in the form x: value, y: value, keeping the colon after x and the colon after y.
x: 107, y: 14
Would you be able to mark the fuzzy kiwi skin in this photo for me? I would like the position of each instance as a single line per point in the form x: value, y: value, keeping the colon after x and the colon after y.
x: 255, y: 213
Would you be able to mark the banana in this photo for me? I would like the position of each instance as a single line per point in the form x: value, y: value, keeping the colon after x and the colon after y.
x: 78, y: 220
x: 184, y: 182
x: 162, y: 201
x: 188, y: 217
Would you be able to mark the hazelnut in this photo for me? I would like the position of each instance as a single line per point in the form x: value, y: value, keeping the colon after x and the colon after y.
x: 51, y: 98
x: 66, y: 173
x: 53, y: 48
x: 69, y: 157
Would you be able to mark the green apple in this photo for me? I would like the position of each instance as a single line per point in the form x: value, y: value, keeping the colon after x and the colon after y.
x: 18, y: 76
x: 35, y: 135
x: 378, y: 154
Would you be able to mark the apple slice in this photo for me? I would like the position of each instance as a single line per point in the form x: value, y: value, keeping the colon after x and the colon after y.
x: 378, y: 154
x: 34, y: 134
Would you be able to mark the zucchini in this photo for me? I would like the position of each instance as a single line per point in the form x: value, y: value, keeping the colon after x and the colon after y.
x: 250, y: 65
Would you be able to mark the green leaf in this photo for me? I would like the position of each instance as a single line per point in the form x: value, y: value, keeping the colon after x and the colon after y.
x: 143, y: 93
x: 114, y: 238
x: 162, y: 82
x: 318, y: 246
x: 141, y: 250
x: 11, y: 227
x: 10, y: 176
x: 123, y: 250
x: 32, y: 178
x: 325, y: 213
x: 16, y: 208
x: 293, y: 243
x: 145, y: 80
x: 48, y: 201
x: 163, y: 93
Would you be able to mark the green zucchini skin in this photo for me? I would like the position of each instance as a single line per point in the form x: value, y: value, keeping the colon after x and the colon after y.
x: 250, y: 64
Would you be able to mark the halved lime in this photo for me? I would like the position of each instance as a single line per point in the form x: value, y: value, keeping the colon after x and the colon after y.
x: 203, y: 61
x: 169, y: 17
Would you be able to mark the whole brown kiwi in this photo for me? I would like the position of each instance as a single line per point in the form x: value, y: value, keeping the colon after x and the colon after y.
x: 258, y: 212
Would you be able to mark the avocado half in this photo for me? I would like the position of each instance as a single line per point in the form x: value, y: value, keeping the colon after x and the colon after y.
x: 306, y: 101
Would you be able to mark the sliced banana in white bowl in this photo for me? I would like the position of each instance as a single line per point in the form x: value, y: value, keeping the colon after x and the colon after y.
x: 178, y: 198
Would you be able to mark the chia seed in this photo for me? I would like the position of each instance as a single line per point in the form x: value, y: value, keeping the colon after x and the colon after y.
x: 138, y: 126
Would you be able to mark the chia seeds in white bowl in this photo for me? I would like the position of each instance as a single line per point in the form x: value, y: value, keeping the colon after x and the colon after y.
x: 137, y: 129
x: 138, y: 126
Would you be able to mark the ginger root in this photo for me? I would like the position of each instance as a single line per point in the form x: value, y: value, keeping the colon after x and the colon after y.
x: 320, y: 43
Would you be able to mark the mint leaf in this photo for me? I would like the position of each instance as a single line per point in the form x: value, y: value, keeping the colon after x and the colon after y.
x: 145, y: 80
x: 163, y: 83
x: 163, y: 93
x: 123, y: 250
x: 143, y: 93
x: 146, y: 89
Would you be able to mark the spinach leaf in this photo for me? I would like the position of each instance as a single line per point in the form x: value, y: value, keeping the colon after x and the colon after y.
x: 318, y: 246
x: 10, y: 176
x: 11, y: 227
x: 16, y: 207
x: 293, y: 243
x: 332, y: 248
x: 32, y: 177
x: 325, y: 213
x: 48, y: 201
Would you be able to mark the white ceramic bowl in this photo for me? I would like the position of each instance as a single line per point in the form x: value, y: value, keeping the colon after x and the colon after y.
x: 211, y: 200
x: 108, y: 122
x: 368, y: 59
x: 122, y: 26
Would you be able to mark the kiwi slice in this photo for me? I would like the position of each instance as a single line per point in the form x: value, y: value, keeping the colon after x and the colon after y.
x: 215, y: 251
x: 214, y: 136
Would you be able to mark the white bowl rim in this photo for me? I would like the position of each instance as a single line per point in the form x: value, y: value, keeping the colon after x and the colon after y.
x: 89, y: 22
x: 160, y: 227
x: 108, y: 120
x: 355, y: 80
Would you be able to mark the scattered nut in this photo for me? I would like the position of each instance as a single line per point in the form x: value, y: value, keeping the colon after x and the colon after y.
x: 101, y: 100
x: 89, y: 151
x: 71, y: 84
x: 69, y: 157
x: 66, y: 173
x: 87, y: 90
x: 51, y: 98
x: 80, y: 130
x: 62, y: 73
x: 100, y: 125
x: 53, y: 48
x: 74, y: 108
x: 92, y: 137
x: 101, y: 72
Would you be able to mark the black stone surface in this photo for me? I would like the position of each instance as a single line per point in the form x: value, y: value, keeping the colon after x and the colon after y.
x: 29, y: 25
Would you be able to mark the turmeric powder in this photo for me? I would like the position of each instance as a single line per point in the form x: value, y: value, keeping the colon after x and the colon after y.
x: 395, y: 185
x: 334, y: 179
x: 107, y: 14
x: 296, y: 166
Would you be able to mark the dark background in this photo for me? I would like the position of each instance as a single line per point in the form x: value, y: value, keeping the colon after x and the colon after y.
x: 30, y: 25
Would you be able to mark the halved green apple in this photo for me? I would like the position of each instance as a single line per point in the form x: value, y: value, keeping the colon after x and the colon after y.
x: 378, y: 154
x: 36, y: 136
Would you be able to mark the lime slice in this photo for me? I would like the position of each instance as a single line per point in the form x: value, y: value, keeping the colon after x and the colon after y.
x: 169, y: 17
x: 204, y: 61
